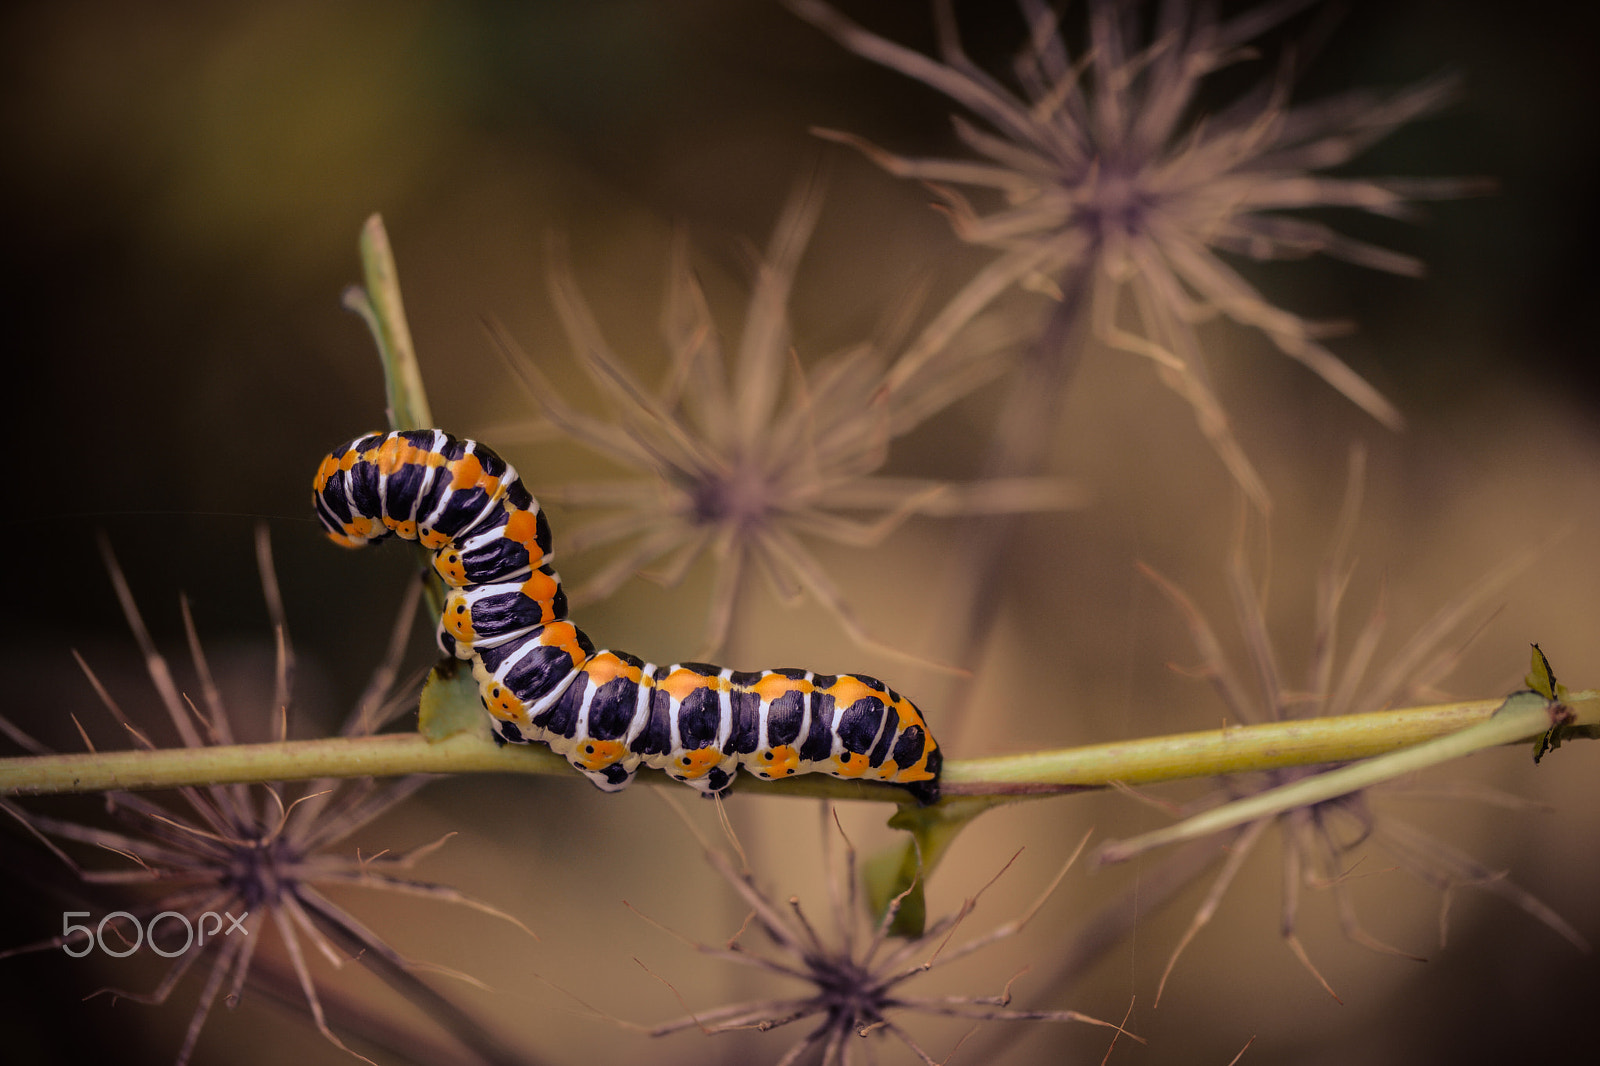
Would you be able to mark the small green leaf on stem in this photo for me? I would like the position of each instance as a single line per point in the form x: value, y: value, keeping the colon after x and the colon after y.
x: 1542, y: 679
x: 449, y: 703
x: 904, y: 868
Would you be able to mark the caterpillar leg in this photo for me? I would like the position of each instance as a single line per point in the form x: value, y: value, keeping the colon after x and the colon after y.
x: 611, y: 778
x: 715, y: 782
x: 774, y: 763
x: 705, y: 769
x: 505, y: 733
x: 927, y: 791
x: 608, y: 763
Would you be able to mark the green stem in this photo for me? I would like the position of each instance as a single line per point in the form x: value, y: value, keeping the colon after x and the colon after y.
x: 380, y: 306
x: 293, y: 760
x: 1230, y: 750
x: 384, y: 311
x: 1140, y: 761
x: 1521, y: 716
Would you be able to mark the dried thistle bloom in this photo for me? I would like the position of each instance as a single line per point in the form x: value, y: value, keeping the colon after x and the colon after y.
x: 1320, y: 839
x: 249, y: 855
x: 1111, y: 191
x: 856, y: 978
x: 738, y: 466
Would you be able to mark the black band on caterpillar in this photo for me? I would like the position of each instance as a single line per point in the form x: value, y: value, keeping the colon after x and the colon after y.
x: 541, y: 679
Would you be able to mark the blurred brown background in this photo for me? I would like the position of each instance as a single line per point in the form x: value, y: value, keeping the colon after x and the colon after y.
x: 183, y: 187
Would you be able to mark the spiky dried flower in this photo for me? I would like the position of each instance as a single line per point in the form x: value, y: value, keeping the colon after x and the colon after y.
x: 741, y: 468
x: 1319, y: 840
x: 1113, y: 190
x: 252, y: 854
x: 856, y: 978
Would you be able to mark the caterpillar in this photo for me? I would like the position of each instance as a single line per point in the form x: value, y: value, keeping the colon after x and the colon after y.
x: 540, y: 677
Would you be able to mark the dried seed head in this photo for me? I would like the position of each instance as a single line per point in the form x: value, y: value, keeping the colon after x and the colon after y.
x: 253, y: 853
x: 736, y: 465
x: 1103, y: 180
x: 856, y: 978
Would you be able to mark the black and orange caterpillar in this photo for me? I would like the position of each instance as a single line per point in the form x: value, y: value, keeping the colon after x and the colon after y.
x: 541, y: 679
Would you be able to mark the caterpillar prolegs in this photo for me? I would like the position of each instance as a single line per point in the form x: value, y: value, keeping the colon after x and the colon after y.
x: 541, y: 679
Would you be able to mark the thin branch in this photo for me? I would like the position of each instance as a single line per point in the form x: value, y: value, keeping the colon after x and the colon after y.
x: 1205, y: 754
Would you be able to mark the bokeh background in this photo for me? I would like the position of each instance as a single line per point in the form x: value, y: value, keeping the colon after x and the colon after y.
x: 183, y: 188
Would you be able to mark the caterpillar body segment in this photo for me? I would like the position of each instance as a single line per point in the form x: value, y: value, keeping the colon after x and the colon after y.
x: 490, y: 614
x: 700, y: 724
x: 511, y: 542
x: 540, y: 677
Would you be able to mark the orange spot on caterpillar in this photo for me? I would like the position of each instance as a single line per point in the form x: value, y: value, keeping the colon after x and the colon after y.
x: 361, y: 526
x: 501, y: 703
x: 774, y: 685
x: 848, y: 764
x: 447, y: 563
x: 848, y: 689
x: 523, y: 528
x: 467, y: 472
x: 395, y: 453
x: 606, y: 666
x: 457, y: 617
x: 598, y: 754
x: 782, y: 760
x: 540, y: 586
x: 680, y: 683
x: 564, y: 635
x: 696, y: 764
x: 330, y: 466
x: 917, y: 771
